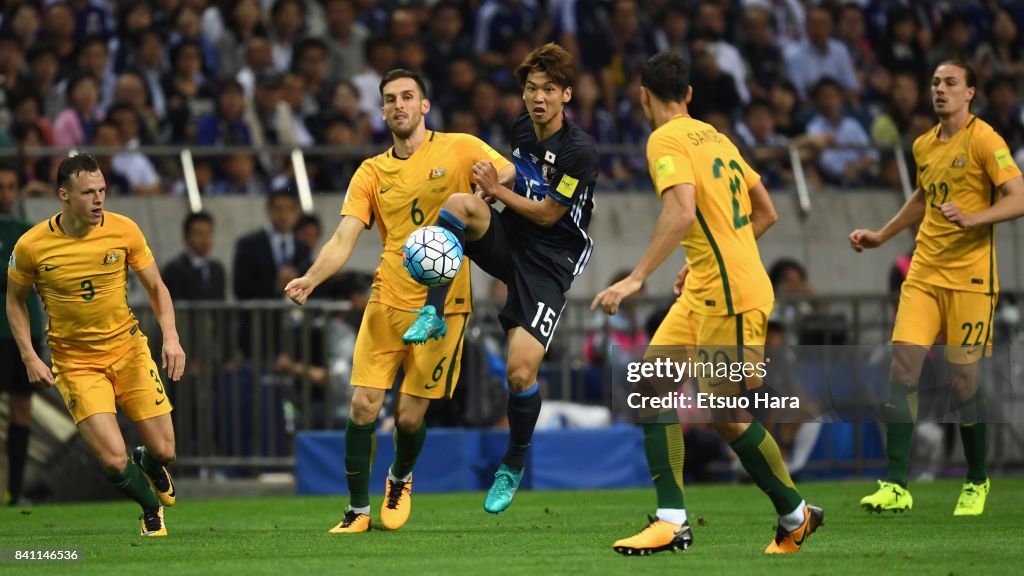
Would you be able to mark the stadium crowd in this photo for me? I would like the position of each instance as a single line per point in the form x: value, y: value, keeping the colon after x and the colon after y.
x: 827, y: 76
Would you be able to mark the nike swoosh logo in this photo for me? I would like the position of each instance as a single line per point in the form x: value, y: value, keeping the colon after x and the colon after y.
x: 426, y: 387
x: 921, y: 168
x: 160, y: 401
x: 802, y: 538
x: 384, y: 190
x: 48, y: 268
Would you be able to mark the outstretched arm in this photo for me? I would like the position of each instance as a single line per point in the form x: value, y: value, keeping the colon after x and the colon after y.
x: 332, y: 257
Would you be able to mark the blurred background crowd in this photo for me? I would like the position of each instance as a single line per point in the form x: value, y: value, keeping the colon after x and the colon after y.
x: 847, y: 82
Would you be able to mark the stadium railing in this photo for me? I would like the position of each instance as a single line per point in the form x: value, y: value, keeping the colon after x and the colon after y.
x: 259, y: 371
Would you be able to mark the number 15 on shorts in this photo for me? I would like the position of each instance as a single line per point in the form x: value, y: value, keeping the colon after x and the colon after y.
x: 546, y: 317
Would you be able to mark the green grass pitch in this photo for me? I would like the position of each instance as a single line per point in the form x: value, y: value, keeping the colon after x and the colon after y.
x: 542, y: 533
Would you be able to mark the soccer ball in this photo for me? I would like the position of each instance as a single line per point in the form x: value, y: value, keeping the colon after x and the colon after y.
x: 432, y: 256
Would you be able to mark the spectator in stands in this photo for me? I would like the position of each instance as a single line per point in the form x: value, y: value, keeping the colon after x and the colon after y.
x: 93, y: 58
x: 132, y: 164
x: 895, y: 126
x: 498, y: 22
x: 131, y: 90
x: 785, y: 103
x: 841, y: 162
x: 91, y: 18
x: 345, y: 39
x: 631, y: 44
x: 23, y: 23
x: 445, y: 41
x: 1003, y: 112
x: 193, y: 274
x: 718, y: 93
x: 33, y: 171
x: 954, y: 41
x: 761, y: 52
x: 403, y: 25
x: 12, y: 71
x: 188, y: 94
x: 851, y: 30
x: 673, y: 31
x: 458, y: 90
x: 412, y: 55
x: 587, y: 113
x: 769, y: 152
x: 381, y: 56
x: 286, y: 22
x: 820, y: 56
x: 332, y: 173
x: 148, y: 61
x: 238, y: 176
x: 133, y: 19
x: 43, y: 68
x: 460, y: 120
x: 1001, y: 53
x: 268, y: 258
x: 484, y: 105
x: 226, y: 126
x: 710, y: 26
x: 308, y: 231
x: 902, y: 50
x: 26, y: 108
x: 345, y: 105
x: 107, y: 135
x: 269, y: 118
x: 259, y: 60
x: 243, y: 24
x: 186, y: 20
x: 310, y: 62
x: 59, y: 29
x: 76, y: 125
x: 294, y: 90
x: 634, y: 129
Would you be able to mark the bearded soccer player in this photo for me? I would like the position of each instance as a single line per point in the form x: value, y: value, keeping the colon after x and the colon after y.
x: 78, y: 260
x: 398, y: 190
x: 715, y: 204
x: 537, y: 245
x: 952, y: 284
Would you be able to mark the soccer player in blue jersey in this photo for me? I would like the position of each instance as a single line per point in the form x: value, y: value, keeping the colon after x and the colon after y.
x: 537, y: 245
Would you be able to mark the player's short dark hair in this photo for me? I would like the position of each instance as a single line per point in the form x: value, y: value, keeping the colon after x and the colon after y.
x: 399, y: 73
x: 194, y: 217
x: 552, y: 60
x: 72, y: 166
x: 666, y: 76
x: 281, y: 193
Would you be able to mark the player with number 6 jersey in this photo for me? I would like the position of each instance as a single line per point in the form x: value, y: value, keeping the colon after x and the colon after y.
x: 399, y: 191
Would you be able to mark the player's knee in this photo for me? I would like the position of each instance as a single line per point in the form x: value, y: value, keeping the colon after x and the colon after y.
x: 364, y: 410
x: 730, y: 431
x: 408, y: 422
x: 113, y: 462
x: 520, y: 375
x: 461, y: 205
x: 162, y: 451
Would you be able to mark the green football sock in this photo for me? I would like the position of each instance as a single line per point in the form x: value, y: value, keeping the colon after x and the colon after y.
x: 360, y: 449
x: 900, y: 415
x: 407, y: 450
x: 974, y: 435
x: 761, y: 458
x: 151, y: 465
x: 663, y: 444
x: 132, y: 484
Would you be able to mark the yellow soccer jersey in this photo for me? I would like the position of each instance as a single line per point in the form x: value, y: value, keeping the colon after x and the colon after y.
x: 966, y: 169
x: 83, y: 282
x: 401, y: 195
x: 726, y: 273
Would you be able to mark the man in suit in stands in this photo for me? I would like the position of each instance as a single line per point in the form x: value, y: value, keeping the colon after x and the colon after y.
x: 193, y: 275
x: 269, y: 258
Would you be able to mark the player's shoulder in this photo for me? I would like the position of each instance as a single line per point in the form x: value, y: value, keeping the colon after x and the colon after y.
x: 454, y: 139
x: 983, y: 134
x: 118, y: 222
x: 37, y: 232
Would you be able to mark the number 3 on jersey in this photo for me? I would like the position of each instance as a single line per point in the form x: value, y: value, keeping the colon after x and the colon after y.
x: 736, y: 180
